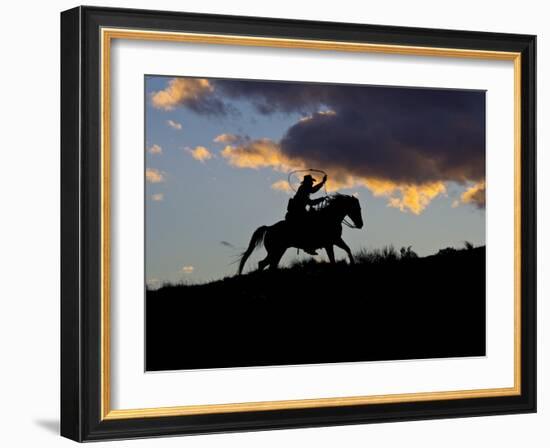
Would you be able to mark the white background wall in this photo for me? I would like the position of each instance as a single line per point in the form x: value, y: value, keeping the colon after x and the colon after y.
x: 29, y: 236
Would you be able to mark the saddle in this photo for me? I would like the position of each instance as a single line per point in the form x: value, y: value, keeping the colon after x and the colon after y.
x: 295, y: 211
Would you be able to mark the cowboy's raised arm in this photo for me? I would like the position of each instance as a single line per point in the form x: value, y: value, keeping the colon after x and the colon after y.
x: 317, y: 187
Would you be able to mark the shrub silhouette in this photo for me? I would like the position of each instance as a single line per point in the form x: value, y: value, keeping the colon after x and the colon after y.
x: 407, y: 253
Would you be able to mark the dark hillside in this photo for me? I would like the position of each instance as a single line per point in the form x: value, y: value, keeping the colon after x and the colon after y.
x: 385, y: 307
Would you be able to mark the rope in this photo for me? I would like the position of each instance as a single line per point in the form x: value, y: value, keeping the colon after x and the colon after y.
x: 309, y: 170
x: 349, y: 224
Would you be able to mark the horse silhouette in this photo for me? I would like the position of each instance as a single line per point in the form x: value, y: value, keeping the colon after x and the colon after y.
x: 321, y: 229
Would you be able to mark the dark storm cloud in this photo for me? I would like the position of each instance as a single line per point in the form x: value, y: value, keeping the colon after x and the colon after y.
x: 400, y: 134
x: 269, y: 97
x: 403, y: 135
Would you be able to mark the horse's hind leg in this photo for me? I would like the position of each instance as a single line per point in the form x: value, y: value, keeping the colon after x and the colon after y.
x: 272, y: 260
x: 330, y: 252
x: 275, y: 258
x: 263, y: 263
x: 268, y: 244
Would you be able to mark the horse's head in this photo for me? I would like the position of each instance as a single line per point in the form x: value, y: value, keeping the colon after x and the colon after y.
x: 348, y: 206
x: 354, y: 211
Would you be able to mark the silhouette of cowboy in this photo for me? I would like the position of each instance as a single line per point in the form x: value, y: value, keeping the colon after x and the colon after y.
x: 297, y: 209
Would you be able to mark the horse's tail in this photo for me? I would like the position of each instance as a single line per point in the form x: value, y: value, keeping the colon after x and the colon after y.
x: 256, y: 241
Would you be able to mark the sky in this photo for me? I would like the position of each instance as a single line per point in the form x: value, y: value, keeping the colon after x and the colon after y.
x: 218, y: 153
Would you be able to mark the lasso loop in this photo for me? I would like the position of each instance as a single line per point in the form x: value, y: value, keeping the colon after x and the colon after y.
x: 308, y: 170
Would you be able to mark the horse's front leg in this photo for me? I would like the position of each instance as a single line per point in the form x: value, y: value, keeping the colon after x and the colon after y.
x: 330, y: 252
x: 342, y: 245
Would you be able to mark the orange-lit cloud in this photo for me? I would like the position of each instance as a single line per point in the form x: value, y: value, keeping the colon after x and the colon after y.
x: 157, y: 197
x: 200, y: 153
x: 474, y: 195
x: 281, y: 185
x: 407, y: 197
x: 154, y: 149
x: 226, y: 138
x: 174, y: 125
x: 265, y: 153
x: 414, y: 198
x: 180, y: 91
x: 261, y: 153
x: 154, y: 176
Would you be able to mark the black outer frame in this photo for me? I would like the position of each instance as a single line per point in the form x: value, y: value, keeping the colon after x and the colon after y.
x: 80, y: 224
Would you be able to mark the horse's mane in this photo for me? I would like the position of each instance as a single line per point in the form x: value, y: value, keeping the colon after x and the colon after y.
x: 332, y: 199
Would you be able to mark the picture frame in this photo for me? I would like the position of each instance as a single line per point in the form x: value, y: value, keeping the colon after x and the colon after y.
x: 86, y: 37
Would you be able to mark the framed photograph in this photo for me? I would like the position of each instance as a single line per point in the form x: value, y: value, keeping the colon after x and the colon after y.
x: 275, y: 224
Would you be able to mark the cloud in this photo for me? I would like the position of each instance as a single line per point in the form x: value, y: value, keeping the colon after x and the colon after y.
x: 261, y: 153
x: 187, y: 269
x: 282, y: 185
x: 213, y: 96
x: 270, y: 97
x: 195, y: 93
x: 157, y: 197
x: 154, y: 149
x: 154, y: 176
x: 404, y: 144
x: 200, y: 153
x: 475, y: 195
x: 320, y: 112
x: 227, y: 138
x: 425, y: 143
x: 265, y: 153
x: 414, y: 198
x: 174, y: 125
